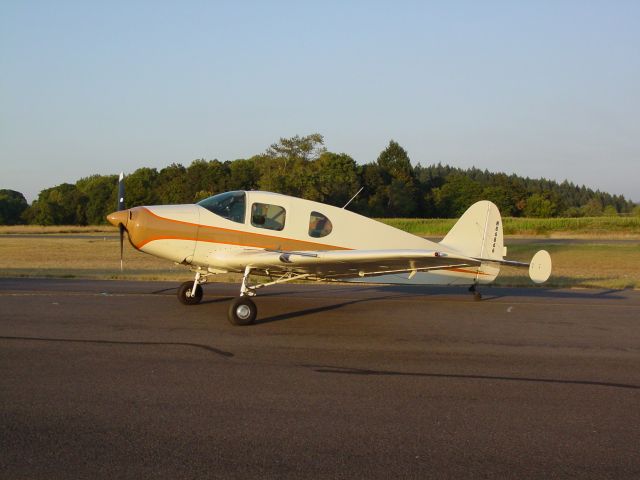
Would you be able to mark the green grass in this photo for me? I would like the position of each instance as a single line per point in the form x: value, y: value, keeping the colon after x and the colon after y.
x: 585, y: 226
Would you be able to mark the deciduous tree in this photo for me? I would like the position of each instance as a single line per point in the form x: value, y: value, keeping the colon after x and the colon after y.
x: 12, y: 206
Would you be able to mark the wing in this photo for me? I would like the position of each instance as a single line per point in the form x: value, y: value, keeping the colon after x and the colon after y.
x: 349, y: 263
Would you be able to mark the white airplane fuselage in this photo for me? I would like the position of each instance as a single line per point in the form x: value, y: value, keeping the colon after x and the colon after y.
x: 194, y: 236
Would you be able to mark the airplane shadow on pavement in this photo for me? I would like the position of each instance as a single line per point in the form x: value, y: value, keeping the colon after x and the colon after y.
x: 330, y: 369
x: 324, y: 308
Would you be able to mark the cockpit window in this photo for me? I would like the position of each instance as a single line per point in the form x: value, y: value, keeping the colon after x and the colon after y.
x: 319, y: 225
x: 229, y: 205
x: 264, y: 215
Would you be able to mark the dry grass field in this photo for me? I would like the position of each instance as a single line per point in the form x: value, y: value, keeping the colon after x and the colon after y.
x: 593, y: 264
x: 55, y: 229
x: 92, y: 255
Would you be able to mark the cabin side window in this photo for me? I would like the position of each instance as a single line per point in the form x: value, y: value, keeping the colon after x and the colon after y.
x: 265, y: 215
x: 229, y: 205
x: 319, y: 225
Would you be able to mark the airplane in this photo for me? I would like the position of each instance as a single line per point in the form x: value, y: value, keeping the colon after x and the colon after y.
x: 284, y: 238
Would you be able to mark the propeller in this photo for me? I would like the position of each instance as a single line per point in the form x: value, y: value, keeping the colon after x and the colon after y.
x: 120, y: 208
x: 120, y: 218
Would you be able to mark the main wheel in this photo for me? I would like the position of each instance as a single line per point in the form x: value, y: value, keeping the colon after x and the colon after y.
x: 184, y: 294
x: 242, y: 311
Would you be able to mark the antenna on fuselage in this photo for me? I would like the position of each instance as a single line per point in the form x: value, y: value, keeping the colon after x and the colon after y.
x: 352, y: 198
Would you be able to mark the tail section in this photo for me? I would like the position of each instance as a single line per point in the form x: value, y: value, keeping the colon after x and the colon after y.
x: 478, y: 233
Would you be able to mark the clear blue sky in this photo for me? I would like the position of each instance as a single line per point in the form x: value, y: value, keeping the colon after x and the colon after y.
x: 540, y: 88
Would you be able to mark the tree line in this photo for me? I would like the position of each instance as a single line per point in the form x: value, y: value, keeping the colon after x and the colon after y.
x: 303, y: 167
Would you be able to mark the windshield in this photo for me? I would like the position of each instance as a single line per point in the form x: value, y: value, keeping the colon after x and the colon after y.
x: 229, y: 205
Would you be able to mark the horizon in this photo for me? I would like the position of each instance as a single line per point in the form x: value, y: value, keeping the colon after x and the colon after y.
x: 540, y: 90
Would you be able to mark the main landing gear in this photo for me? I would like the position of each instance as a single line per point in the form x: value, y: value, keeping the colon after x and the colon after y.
x: 477, y: 296
x: 242, y: 311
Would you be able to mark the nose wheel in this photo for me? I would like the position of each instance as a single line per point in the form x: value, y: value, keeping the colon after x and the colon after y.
x: 188, y: 295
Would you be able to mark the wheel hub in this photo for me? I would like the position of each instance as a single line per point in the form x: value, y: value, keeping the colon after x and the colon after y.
x: 243, y: 312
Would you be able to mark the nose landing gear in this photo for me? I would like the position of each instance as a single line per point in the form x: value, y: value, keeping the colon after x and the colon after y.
x: 190, y: 293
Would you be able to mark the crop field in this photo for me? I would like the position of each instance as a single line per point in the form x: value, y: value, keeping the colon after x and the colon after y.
x: 589, y: 227
x: 594, y: 263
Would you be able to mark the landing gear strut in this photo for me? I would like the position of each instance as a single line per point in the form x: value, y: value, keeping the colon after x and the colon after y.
x: 477, y: 296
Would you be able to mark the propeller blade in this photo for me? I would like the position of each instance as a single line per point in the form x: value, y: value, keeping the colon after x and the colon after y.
x: 120, y: 208
x: 121, y: 247
x: 121, y: 191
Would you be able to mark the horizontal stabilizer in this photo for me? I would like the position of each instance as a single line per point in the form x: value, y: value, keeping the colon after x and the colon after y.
x: 540, y: 267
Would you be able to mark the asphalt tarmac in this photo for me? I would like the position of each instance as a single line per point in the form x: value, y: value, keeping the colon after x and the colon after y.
x: 110, y: 379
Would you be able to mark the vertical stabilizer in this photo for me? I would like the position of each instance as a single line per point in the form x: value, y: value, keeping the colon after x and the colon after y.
x: 478, y: 234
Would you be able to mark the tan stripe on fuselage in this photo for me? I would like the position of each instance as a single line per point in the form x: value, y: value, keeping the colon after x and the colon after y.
x: 150, y: 227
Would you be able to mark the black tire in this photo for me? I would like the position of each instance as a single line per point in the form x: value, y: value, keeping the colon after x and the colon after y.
x: 242, y: 311
x: 183, y: 294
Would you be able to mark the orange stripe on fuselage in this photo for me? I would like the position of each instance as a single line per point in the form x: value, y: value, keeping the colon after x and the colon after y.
x: 462, y: 270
